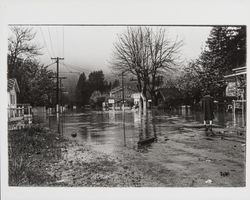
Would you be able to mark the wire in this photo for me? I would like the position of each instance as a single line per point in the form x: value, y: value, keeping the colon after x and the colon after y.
x: 45, y: 43
x: 57, y: 42
x: 70, y: 72
x: 67, y: 66
x: 51, y: 42
x: 63, y: 40
x: 77, y: 67
x: 72, y: 68
x: 50, y: 64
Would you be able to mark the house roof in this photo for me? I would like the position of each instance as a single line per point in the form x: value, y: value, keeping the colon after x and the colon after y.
x: 119, y: 88
x: 12, y: 83
x: 237, y: 72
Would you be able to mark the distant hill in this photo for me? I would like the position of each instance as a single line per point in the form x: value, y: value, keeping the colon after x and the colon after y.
x: 70, y: 85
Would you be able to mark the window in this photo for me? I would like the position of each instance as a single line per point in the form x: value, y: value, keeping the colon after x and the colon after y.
x: 12, y: 99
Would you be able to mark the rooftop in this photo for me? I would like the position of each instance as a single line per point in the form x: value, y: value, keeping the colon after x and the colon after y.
x: 12, y: 82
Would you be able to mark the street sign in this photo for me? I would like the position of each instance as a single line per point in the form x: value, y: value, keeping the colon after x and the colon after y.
x: 136, y: 95
x: 111, y: 101
x: 231, y: 89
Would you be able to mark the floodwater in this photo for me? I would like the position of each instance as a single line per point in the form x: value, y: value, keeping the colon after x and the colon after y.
x: 169, y: 149
x: 114, y: 131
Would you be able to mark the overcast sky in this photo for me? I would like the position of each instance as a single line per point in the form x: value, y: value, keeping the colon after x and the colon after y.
x: 87, y: 48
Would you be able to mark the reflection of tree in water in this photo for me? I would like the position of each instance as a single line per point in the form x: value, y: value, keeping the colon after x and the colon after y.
x: 124, y: 133
x: 99, y: 120
x: 147, y: 132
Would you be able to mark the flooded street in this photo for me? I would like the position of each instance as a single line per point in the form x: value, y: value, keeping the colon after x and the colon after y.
x: 113, y: 131
x: 169, y: 149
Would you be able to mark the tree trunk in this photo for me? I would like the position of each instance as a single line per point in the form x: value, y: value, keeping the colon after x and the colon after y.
x: 144, y: 103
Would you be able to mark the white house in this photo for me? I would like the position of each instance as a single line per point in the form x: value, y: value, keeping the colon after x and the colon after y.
x: 13, y: 89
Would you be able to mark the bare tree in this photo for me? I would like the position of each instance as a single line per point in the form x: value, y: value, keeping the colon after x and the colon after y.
x: 20, y: 45
x: 145, y: 54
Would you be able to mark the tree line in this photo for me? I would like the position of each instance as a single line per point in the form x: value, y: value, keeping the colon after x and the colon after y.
x: 36, y: 82
x: 93, y: 90
x: 225, y: 50
x: 145, y: 55
x: 148, y: 54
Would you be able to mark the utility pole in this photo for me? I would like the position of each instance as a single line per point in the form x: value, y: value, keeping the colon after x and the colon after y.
x: 123, y: 91
x: 61, y: 107
x: 57, y: 85
x: 60, y: 81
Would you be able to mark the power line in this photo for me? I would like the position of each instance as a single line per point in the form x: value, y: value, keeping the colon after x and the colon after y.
x: 51, y: 42
x: 70, y: 72
x: 77, y: 67
x: 45, y: 43
x: 57, y: 42
x: 50, y: 64
x: 66, y: 65
x: 63, y: 42
x: 63, y: 39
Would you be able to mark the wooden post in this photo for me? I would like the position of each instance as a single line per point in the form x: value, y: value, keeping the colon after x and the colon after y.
x: 242, y: 107
x: 124, y: 131
x: 234, y: 117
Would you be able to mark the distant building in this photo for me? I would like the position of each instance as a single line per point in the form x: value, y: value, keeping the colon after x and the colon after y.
x: 117, y: 94
x: 136, y: 97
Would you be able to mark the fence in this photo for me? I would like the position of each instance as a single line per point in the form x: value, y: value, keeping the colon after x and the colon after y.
x: 19, y: 117
x: 15, y: 113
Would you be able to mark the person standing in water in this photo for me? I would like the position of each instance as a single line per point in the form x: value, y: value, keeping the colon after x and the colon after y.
x: 208, y: 111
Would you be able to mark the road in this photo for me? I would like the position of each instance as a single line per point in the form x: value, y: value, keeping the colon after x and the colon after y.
x: 105, y: 152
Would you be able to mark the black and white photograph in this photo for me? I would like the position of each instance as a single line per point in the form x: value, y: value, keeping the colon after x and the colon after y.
x: 138, y: 109
x: 125, y: 105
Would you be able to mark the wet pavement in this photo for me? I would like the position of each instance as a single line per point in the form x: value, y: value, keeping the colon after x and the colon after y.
x: 169, y: 149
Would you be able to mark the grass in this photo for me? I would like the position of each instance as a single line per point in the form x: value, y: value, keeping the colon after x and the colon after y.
x: 31, y: 151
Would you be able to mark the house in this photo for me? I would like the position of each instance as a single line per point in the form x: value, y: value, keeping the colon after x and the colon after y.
x: 236, y: 90
x: 236, y: 83
x: 18, y: 114
x: 13, y: 89
x: 118, y: 94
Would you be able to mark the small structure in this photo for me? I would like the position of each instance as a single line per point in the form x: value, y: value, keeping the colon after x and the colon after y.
x: 236, y: 88
x: 120, y: 94
x: 18, y: 114
x: 236, y: 83
x: 136, y: 97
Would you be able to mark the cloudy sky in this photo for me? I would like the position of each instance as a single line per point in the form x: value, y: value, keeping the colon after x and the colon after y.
x: 87, y: 48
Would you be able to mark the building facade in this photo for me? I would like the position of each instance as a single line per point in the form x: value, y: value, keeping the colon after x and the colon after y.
x: 13, y: 89
x: 120, y: 94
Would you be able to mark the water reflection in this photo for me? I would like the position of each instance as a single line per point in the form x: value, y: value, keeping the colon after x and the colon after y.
x: 111, y: 131
x: 124, y: 129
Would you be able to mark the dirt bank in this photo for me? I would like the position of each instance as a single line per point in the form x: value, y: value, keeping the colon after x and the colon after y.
x: 39, y: 157
x: 31, y: 151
